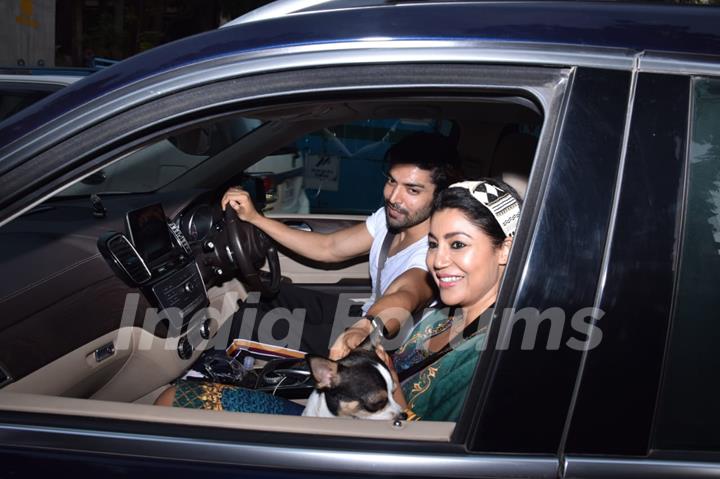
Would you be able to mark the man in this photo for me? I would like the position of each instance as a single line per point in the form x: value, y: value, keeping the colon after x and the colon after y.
x: 420, y: 165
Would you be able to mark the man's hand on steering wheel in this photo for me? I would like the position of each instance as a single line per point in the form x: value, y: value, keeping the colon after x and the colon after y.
x: 240, y: 201
x: 248, y: 247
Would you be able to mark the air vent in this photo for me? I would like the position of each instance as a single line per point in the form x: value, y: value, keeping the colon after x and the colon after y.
x: 125, y: 255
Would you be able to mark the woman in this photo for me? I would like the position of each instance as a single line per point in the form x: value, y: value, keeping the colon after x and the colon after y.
x: 471, y: 232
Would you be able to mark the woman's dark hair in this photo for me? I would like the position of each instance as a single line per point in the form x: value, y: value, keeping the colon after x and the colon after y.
x: 461, y: 199
x: 428, y: 151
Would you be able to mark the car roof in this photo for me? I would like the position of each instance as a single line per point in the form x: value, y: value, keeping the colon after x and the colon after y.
x: 286, y: 7
x: 631, y: 27
x: 61, y: 80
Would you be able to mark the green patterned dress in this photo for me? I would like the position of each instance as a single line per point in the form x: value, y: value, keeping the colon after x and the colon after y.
x: 437, y: 392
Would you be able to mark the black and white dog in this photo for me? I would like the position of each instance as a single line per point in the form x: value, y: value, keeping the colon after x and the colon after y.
x: 358, y: 386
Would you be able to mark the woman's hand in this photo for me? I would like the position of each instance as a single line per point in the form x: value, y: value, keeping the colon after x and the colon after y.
x: 350, y: 339
x: 239, y: 200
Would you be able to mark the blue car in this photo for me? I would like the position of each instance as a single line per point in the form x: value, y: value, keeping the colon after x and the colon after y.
x: 605, y: 118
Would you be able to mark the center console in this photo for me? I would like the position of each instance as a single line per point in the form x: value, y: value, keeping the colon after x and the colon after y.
x: 181, y: 289
x: 155, y: 260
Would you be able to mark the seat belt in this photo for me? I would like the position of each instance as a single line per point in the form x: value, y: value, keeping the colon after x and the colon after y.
x: 467, y: 331
x: 382, y: 258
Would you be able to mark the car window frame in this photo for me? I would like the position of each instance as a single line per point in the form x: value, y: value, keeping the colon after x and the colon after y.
x: 657, y: 450
x: 594, y: 110
x: 464, y: 79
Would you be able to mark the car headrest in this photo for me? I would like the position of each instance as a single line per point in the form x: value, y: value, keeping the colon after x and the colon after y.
x: 512, y: 160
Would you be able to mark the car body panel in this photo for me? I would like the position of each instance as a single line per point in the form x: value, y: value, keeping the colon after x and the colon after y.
x: 290, y: 461
x: 638, y: 275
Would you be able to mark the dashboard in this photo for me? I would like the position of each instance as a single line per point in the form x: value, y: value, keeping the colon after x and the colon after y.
x: 171, y: 264
x: 63, y: 288
x: 61, y: 293
x: 197, y: 223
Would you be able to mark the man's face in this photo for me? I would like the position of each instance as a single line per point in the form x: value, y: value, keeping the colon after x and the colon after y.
x: 408, y: 196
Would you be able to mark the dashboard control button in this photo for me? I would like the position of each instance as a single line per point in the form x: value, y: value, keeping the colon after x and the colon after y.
x: 179, y: 237
x: 205, y: 329
x: 184, y: 349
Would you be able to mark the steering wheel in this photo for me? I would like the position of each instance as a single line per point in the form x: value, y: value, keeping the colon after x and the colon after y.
x: 250, y: 248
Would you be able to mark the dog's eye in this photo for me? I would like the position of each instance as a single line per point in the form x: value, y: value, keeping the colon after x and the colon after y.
x: 375, y: 402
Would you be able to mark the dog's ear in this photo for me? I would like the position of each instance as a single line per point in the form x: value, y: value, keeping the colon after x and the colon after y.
x: 324, y: 371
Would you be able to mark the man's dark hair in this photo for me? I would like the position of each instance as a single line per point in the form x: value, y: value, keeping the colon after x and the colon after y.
x: 428, y: 151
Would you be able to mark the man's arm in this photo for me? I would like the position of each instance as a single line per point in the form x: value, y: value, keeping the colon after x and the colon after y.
x: 329, y: 248
x: 407, y: 293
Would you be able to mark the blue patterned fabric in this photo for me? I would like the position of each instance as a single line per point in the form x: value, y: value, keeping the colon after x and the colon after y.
x: 223, y: 397
x: 247, y: 400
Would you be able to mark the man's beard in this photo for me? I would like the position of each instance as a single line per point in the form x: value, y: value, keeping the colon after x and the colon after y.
x: 407, y: 220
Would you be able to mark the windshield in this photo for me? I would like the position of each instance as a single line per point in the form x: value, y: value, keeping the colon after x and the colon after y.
x: 161, y: 162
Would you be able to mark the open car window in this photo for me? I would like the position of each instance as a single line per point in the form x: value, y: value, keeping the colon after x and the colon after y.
x: 336, y: 168
x: 333, y: 149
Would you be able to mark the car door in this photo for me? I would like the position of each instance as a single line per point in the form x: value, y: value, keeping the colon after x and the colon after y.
x: 644, y: 405
x: 518, y: 404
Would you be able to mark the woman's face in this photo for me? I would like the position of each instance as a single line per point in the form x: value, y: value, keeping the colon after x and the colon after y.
x: 464, y: 263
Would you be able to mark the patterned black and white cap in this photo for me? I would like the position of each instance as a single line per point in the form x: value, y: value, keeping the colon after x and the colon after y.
x: 499, y: 202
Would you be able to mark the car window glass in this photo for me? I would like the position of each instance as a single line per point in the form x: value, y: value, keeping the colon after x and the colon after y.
x: 15, y: 99
x: 159, y: 163
x: 315, y: 173
x: 688, y: 416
